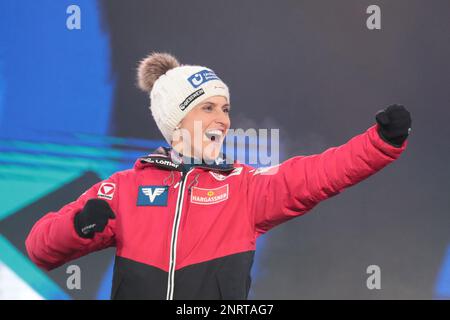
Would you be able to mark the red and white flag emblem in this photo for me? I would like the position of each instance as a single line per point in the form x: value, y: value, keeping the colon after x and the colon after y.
x: 106, y: 190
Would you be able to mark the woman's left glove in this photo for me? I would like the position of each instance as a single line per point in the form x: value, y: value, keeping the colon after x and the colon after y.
x: 394, y: 124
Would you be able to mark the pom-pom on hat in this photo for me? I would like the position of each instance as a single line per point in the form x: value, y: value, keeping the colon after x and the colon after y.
x: 175, y: 89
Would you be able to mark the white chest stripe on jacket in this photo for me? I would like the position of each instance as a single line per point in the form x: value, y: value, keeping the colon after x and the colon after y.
x: 174, y: 237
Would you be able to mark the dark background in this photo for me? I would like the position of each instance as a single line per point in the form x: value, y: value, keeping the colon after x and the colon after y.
x: 313, y: 69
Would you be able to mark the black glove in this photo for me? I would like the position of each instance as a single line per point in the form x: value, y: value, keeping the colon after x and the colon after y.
x: 394, y: 124
x: 93, y: 218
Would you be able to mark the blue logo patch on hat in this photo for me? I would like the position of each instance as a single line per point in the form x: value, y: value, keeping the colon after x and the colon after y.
x: 152, y: 195
x: 197, y: 79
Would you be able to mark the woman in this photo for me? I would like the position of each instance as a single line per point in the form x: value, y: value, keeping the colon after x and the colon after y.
x: 184, y: 222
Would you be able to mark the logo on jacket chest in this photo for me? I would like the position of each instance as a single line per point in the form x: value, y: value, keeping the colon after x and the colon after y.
x: 153, y: 195
x: 209, y: 196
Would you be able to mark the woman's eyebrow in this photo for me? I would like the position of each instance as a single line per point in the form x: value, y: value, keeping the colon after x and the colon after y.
x: 215, y: 104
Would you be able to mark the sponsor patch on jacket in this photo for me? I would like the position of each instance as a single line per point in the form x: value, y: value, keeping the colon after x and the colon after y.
x: 152, y: 195
x: 161, y: 162
x: 197, y: 79
x: 191, y: 98
x: 106, y: 190
x: 209, y: 196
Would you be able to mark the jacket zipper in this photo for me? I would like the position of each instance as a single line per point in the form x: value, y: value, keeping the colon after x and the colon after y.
x: 174, y: 237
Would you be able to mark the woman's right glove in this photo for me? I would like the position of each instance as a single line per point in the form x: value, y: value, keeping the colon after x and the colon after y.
x: 93, y: 218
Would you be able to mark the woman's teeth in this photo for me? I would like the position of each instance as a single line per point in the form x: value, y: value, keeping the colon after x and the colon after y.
x: 213, y: 134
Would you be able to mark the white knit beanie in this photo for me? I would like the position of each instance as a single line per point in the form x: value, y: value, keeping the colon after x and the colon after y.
x: 175, y: 89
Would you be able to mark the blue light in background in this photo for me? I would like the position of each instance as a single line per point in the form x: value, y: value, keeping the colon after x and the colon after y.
x: 104, y: 291
x: 54, y: 78
x: 442, y: 288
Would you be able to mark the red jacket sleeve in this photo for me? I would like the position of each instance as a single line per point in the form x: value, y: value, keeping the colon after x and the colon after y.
x: 280, y: 193
x: 53, y: 240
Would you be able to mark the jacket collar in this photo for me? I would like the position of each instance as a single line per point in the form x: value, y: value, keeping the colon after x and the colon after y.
x: 167, y: 158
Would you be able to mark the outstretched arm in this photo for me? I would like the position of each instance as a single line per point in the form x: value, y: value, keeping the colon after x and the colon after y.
x: 294, y: 187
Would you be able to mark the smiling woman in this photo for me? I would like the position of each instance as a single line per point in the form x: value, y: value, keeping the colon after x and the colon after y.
x: 184, y: 211
x: 197, y: 126
x: 200, y: 134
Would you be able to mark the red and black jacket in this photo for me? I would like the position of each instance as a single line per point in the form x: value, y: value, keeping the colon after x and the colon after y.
x: 192, y: 235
